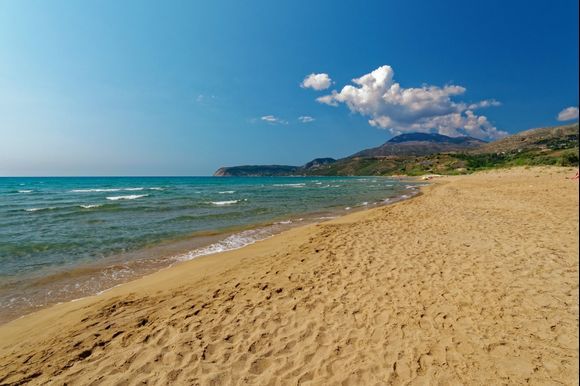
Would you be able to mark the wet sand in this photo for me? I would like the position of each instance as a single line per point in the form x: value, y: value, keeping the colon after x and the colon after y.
x: 473, y: 282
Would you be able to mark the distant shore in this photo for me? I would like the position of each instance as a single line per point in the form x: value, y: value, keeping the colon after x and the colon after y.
x: 475, y: 281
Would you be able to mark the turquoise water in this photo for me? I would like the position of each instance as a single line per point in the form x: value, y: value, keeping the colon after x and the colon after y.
x: 66, y: 237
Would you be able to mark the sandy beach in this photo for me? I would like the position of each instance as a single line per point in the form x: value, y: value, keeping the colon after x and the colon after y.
x: 473, y: 282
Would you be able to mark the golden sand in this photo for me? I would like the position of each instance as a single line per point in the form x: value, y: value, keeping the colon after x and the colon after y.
x: 473, y: 282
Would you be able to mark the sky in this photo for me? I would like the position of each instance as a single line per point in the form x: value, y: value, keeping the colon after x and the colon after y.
x: 185, y: 87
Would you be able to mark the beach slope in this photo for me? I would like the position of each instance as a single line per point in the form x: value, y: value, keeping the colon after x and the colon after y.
x: 473, y: 282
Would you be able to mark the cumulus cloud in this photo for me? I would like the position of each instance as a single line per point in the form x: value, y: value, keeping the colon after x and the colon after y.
x: 425, y: 109
x: 568, y: 114
x: 316, y: 81
x: 273, y: 120
x: 306, y: 119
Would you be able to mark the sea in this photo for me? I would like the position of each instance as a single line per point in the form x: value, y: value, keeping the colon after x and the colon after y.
x: 63, y: 238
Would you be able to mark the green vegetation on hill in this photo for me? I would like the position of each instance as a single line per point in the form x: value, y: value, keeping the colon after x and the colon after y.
x: 547, y: 146
x: 460, y: 163
x: 407, y: 155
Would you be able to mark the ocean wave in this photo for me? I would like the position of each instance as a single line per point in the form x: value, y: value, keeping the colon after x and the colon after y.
x: 128, y: 197
x: 40, y: 209
x: 230, y: 243
x: 25, y: 191
x: 297, y: 185
x: 156, y: 188
x: 89, y: 206
x: 227, y: 192
x: 96, y: 190
x: 222, y: 203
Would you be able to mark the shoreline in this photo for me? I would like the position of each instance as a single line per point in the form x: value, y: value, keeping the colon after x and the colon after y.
x: 473, y: 281
x: 125, y: 269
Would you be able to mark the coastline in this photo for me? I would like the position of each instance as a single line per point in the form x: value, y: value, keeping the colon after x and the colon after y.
x: 475, y: 281
x: 93, y: 278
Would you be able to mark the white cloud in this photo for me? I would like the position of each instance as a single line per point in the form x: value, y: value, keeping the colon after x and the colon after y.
x: 423, y: 109
x: 273, y: 120
x: 306, y: 119
x: 201, y: 98
x: 484, y: 103
x: 316, y: 81
x: 568, y: 114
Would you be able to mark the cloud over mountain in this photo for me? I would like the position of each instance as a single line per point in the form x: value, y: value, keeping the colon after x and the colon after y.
x: 390, y: 106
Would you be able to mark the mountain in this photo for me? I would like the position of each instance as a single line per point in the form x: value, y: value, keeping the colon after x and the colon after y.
x: 420, y: 144
x: 317, y: 163
x: 274, y: 170
x: 546, y: 138
x: 420, y: 153
x: 256, y: 171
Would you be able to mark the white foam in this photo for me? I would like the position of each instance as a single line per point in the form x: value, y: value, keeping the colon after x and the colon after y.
x: 227, y: 192
x: 285, y: 222
x: 128, y: 197
x: 222, y: 203
x: 25, y: 191
x: 106, y: 190
x: 96, y: 190
x: 156, y: 188
x: 89, y: 206
x: 348, y: 208
x: 298, y: 185
x: 230, y: 243
x: 39, y: 209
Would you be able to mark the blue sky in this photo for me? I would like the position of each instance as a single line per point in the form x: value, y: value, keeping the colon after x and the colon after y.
x: 182, y: 87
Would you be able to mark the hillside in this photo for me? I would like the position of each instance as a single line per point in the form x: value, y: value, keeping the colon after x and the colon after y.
x: 404, y: 145
x: 420, y: 144
x: 256, y: 171
x: 274, y: 170
x: 548, y: 138
x: 418, y: 153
